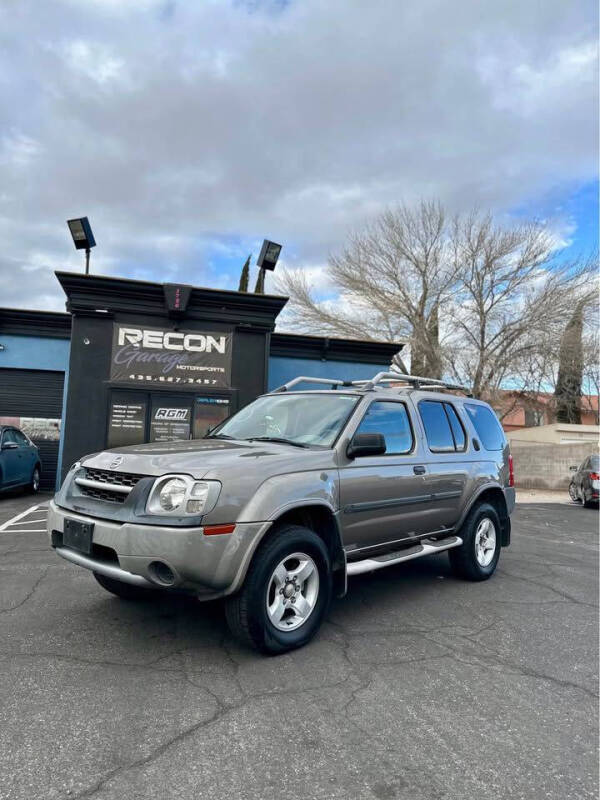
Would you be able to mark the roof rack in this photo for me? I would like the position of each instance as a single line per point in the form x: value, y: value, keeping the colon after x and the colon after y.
x: 416, y: 381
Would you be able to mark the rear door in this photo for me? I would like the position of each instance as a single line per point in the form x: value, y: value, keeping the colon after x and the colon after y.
x: 382, y: 498
x: 449, y: 463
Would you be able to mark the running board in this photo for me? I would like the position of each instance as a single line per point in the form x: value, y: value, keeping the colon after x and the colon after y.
x: 389, y: 559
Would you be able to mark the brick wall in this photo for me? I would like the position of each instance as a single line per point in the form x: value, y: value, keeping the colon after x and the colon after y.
x: 546, y: 466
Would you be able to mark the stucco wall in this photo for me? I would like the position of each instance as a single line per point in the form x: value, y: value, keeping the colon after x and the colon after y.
x: 546, y: 466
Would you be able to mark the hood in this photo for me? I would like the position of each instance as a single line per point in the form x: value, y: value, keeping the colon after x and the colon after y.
x: 209, y: 458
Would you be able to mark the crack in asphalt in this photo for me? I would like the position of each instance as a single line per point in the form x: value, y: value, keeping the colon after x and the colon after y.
x: 28, y: 596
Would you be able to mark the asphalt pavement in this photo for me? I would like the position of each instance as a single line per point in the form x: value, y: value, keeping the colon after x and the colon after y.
x: 419, y: 686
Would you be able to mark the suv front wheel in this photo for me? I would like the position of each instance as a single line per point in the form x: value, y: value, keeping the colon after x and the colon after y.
x: 286, y: 593
x: 476, y: 559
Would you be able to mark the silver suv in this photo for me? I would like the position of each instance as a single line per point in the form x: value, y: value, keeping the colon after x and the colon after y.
x: 279, y: 504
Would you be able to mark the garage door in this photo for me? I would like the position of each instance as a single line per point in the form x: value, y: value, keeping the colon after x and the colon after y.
x: 32, y: 400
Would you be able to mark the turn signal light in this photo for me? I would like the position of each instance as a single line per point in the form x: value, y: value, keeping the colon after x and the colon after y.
x: 216, y: 530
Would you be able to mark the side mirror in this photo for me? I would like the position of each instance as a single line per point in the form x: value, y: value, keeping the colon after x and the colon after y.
x: 366, y: 444
x: 574, y: 469
x: 9, y: 446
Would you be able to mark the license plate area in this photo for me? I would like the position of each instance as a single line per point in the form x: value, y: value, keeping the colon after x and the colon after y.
x: 78, y: 535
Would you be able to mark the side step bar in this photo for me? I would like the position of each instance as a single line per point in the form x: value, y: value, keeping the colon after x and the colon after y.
x: 389, y: 559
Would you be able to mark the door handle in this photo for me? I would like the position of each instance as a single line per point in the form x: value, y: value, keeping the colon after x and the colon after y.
x: 419, y: 469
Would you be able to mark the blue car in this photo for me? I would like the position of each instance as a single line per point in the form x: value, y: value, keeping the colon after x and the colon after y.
x: 20, y: 463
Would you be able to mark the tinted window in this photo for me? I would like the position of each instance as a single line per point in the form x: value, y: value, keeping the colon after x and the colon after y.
x: 21, y: 439
x: 457, y: 428
x: 9, y: 436
x: 487, y: 426
x: 391, y: 420
x: 437, y: 427
x: 595, y: 463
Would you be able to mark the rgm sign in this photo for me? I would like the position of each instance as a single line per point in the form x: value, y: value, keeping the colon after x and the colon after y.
x: 172, y: 340
x: 174, y: 357
x: 172, y: 414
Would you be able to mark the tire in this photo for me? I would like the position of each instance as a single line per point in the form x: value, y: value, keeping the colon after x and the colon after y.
x: 293, y: 552
x: 33, y: 486
x: 127, y: 591
x: 573, y: 493
x: 467, y: 561
x: 589, y: 503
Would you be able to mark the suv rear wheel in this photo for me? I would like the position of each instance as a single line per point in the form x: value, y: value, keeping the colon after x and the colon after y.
x: 477, y: 557
x: 286, y: 593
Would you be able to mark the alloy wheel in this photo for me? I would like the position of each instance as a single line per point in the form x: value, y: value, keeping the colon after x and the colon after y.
x: 485, y: 542
x: 292, y: 592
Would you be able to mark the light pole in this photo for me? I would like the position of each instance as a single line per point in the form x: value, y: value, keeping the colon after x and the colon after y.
x: 83, y: 238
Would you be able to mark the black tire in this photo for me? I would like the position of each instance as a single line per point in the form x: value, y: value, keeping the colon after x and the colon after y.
x: 246, y: 611
x: 463, y: 559
x: 573, y: 492
x: 589, y: 503
x: 34, y: 484
x: 127, y: 591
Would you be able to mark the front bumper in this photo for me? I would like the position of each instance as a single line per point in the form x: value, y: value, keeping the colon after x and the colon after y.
x: 208, y: 566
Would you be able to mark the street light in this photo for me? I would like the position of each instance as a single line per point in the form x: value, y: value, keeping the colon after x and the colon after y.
x: 83, y: 238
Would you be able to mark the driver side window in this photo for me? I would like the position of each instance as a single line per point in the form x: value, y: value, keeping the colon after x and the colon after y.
x: 391, y: 420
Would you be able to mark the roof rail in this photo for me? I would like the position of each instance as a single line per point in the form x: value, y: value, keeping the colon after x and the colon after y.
x: 333, y: 382
x: 382, y: 377
x: 416, y: 380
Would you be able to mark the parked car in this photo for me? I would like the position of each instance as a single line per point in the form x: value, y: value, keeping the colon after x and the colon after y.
x: 20, y: 462
x: 585, y: 483
x: 283, y: 501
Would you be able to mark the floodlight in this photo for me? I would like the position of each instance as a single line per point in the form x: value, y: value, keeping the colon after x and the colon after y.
x: 83, y: 238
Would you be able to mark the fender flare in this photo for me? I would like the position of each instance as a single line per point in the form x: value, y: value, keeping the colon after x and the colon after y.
x: 503, y: 510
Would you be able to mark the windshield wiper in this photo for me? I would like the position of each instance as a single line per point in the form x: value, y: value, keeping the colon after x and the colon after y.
x: 219, y: 436
x: 276, y: 439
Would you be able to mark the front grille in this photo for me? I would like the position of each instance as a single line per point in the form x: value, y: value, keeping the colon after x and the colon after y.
x: 111, y: 479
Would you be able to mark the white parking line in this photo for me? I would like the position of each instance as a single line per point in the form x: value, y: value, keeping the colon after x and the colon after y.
x: 10, y: 522
x: 28, y: 521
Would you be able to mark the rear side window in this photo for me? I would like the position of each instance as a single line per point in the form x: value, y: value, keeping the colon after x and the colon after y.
x: 437, y: 426
x: 391, y: 420
x: 487, y: 426
x: 460, y: 440
x: 21, y: 439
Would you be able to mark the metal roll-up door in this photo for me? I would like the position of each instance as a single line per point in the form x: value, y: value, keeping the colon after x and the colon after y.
x: 32, y: 400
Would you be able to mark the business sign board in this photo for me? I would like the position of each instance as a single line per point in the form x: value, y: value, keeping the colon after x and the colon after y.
x: 170, y: 420
x: 159, y: 357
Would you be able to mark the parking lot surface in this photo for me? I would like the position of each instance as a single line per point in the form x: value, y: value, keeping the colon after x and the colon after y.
x: 418, y: 687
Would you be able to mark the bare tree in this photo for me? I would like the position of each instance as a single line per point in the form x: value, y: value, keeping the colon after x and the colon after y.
x: 392, y: 278
x: 512, y: 295
x: 473, y: 299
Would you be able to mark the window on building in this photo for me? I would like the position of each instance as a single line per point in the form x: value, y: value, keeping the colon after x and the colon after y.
x: 487, y: 426
x: 533, y: 417
x: 391, y: 420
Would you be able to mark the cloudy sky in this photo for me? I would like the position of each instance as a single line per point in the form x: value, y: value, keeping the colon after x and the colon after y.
x: 189, y: 130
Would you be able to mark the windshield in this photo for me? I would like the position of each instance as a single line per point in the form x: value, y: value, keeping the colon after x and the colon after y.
x: 303, y: 419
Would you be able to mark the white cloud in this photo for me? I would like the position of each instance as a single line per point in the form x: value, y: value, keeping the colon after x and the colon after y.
x: 178, y: 127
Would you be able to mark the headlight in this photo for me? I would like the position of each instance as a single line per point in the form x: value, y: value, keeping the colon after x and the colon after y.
x: 172, y: 494
x: 179, y: 494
